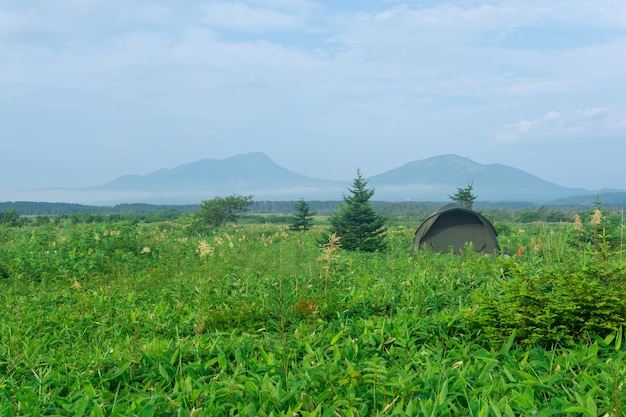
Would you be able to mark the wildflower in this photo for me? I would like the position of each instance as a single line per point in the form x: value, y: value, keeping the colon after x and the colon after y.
x: 329, y: 248
x: 578, y: 223
x: 204, y: 249
x: 266, y: 239
x: 597, y: 217
x: 146, y: 250
x: 535, y: 244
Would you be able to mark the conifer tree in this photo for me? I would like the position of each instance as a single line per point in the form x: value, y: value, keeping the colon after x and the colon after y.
x: 303, y: 217
x: 357, y: 224
x: 464, y: 196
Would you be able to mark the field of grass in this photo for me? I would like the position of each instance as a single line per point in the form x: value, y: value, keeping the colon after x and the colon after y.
x: 116, y: 319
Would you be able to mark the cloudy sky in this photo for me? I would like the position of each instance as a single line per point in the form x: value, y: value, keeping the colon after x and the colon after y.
x: 94, y: 89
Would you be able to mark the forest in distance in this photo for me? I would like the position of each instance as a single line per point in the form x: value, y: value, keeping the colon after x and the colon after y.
x: 411, y: 209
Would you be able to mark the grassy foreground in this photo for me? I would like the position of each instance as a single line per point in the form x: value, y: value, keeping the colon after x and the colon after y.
x: 140, y: 320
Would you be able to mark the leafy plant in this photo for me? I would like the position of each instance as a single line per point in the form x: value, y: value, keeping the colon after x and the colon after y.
x: 219, y: 211
x: 258, y: 320
x: 560, y: 306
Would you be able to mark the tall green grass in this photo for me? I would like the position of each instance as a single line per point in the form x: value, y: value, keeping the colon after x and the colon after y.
x: 134, y: 320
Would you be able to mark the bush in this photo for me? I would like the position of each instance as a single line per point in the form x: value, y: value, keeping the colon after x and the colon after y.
x: 558, y: 307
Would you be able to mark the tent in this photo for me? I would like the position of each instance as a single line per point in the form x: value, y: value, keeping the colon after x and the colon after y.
x: 451, y: 227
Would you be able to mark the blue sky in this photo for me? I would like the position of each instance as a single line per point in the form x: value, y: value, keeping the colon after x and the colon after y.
x: 94, y: 89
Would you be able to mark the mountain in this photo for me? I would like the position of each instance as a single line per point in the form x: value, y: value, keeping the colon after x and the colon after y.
x: 432, y: 179
x: 245, y: 174
x: 437, y: 177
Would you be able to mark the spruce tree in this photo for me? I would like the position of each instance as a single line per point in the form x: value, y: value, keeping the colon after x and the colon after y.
x: 464, y: 196
x: 357, y: 224
x: 303, y: 217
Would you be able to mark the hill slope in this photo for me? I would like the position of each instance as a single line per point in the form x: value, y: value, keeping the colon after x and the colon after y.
x: 252, y: 173
x: 439, y: 176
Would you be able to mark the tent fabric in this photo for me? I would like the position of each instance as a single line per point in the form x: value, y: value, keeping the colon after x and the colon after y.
x: 451, y: 227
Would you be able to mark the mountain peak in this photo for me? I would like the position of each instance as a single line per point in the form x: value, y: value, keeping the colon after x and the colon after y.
x: 451, y: 161
x: 443, y: 174
x: 251, y: 173
x: 430, y: 179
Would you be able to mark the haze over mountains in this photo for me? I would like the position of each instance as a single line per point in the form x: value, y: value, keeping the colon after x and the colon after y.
x: 431, y: 179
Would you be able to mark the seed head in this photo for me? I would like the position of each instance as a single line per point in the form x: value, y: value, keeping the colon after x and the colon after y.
x: 578, y: 223
x: 597, y: 217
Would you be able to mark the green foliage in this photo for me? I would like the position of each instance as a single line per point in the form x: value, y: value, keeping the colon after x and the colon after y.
x: 464, y: 196
x: 303, y: 217
x: 219, y: 211
x: 11, y: 218
x: 562, y: 305
x: 358, y: 226
x: 543, y: 214
x: 126, y: 319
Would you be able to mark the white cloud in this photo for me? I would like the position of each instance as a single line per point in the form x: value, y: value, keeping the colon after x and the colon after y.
x: 242, y: 17
x: 327, y: 72
x: 593, y: 121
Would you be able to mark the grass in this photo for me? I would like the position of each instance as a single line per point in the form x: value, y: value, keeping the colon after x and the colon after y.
x: 258, y: 320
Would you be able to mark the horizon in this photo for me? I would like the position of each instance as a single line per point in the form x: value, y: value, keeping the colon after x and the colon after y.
x: 186, y: 191
x: 94, y: 91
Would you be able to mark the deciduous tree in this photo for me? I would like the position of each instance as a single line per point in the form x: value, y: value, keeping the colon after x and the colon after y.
x: 219, y: 211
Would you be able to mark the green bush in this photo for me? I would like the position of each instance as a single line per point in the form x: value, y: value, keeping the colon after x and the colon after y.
x: 559, y: 306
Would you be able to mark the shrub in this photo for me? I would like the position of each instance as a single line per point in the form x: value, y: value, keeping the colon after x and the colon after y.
x: 561, y: 306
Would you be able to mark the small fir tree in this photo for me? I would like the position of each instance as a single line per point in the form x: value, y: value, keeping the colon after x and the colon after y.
x: 303, y: 217
x: 357, y: 224
x: 464, y: 196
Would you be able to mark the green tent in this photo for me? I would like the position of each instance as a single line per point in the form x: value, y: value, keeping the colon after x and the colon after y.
x: 451, y: 227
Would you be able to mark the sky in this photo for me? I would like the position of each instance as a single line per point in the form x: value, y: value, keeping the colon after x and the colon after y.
x: 91, y: 90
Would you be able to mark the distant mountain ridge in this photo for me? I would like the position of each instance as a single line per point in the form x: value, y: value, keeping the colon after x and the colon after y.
x: 240, y: 173
x: 431, y: 179
x: 245, y: 174
x: 492, y: 182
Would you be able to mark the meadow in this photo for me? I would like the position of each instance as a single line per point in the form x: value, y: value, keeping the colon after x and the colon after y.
x: 134, y: 319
